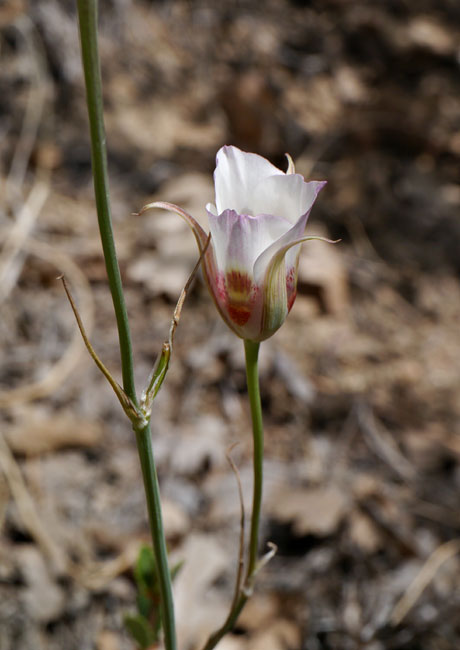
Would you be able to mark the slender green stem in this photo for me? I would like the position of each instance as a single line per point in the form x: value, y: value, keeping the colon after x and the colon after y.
x: 228, y: 625
x: 87, y: 15
x: 252, y: 376
x: 152, y: 492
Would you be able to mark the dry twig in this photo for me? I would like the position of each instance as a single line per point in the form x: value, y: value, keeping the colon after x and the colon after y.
x: 11, y: 261
x: 383, y: 444
x: 422, y: 580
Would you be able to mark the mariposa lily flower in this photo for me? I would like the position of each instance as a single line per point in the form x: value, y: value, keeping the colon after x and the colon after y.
x: 257, y: 225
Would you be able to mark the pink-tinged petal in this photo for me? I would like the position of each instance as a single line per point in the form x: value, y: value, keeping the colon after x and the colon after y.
x: 293, y: 234
x: 236, y: 176
x: 256, y: 228
x: 287, y: 196
x: 239, y: 239
x: 279, y: 288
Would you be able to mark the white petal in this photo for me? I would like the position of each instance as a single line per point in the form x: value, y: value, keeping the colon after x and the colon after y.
x: 295, y: 233
x: 236, y: 176
x: 287, y: 196
x: 239, y: 239
x: 210, y: 207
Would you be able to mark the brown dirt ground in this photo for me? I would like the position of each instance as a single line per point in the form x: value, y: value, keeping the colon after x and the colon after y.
x: 360, y: 387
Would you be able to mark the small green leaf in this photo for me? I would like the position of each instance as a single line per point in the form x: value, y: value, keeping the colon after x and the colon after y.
x: 145, y: 571
x: 140, y: 630
x: 144, y: 604
x: 148, y: 620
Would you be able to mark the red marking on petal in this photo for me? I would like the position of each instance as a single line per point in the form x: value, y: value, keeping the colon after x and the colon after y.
x: 238, y: 283
x: 220, y: 288
x: 239, y: 314
x: 291, y: 287
x: 236, y: 292
x: 291, y: 299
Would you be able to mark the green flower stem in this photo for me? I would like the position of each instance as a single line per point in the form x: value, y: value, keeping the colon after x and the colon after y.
x: 228, y: 625
x: 152, y: 493
x: 252, y: 376
x: 87, y: 15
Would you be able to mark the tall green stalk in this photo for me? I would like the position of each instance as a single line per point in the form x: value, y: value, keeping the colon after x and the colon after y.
x: 87, y: 15
x: 252, y: 378
x: 152, y: 493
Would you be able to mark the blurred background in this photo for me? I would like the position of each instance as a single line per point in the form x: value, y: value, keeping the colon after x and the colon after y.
x: 360, y: 387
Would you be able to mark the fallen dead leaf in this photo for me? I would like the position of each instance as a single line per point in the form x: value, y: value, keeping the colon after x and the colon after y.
x: 363, y: 533
x: 175, y: 520
x: 315, y: 105
x: 43, y: 599
x: 425, y: 32
x: 321, y: 269
x: 365, y: 485
x: 159, y: 275
x: 259, y: 610
x: 38, y: 433
x: 232, y: 642
x: 315, y: 511
x: 281, y: 635
x: 192, y: 192
x: 199, y: 609
x: 194, y: 447
x: 107, y: 641
x: 155, y: 128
